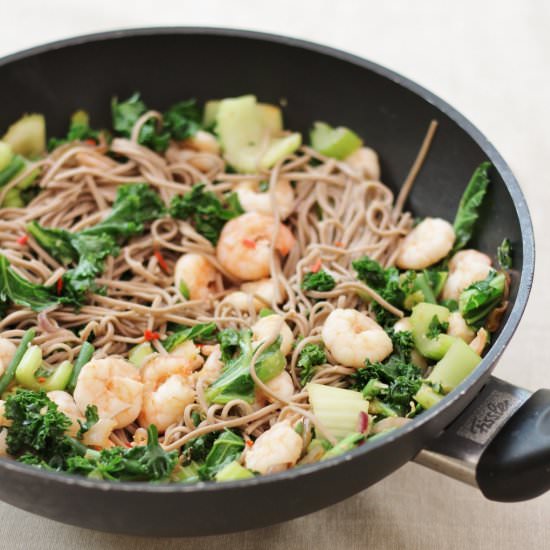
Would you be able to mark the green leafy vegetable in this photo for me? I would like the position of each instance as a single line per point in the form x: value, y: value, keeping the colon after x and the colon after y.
x: 92, y: 417
x: 310, y: 357
x: 197, y: 333
x: 321, y: 281
x: 16, y: 289
x: 86, y: 352
x: 197, y: 449
x: 15, y: 166
x: 470, y: 204
x: 79, y: 130
x: 477, y: 301
x: 227, y: 448
x: 349, y: 442
x: 229, y: 340
x: 180, y: 121
x: 435, y: 328
x: 205, y: 211
x: 504, y: 254
x: 134, y: 205
x: 403, y: 344
x: 38, y: 430
x: 370, y: 272
x: 392, y: 383
x: 235, y: 381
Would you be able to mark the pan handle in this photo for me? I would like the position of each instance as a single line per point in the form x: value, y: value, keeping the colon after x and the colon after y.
x: 500, y: 443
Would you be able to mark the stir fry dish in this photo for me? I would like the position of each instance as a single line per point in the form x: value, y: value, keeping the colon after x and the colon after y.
x: 196, y: 295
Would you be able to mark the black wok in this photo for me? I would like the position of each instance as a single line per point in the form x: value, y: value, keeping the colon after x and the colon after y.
x: 501, y: 442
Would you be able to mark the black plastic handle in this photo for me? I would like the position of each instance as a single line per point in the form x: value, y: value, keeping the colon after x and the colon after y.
x: 500, y: 443
x: 516, y: 464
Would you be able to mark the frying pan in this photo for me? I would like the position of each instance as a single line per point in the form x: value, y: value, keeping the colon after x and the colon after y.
x: 487, y: 432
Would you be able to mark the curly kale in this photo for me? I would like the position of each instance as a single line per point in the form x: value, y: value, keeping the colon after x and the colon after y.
x: 205, y: 211
x: 310, y: 357
x: 320, y: 281
x: 436, y: 327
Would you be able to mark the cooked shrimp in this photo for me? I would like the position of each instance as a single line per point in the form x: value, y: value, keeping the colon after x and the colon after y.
x: 203, y: 142
x: 113, y: 385
x: 244, y: 245
x: 7, y: 351
x: 264, y: 328
x: 261, y: 293
x: 404, y: 324
x: 195, y: 277
x: 480, y: 341
x: 189, y: 353
x: 282, y: 386
x: 168, y: 389
x: 365, y: 162
x: 465, y: 268
x: 3, y: 420
x: 352, y: 337
x: 277, y: 449
x: 98, y: 434
x: 254, y: 200
x: 212, y: 367
x: 430, y: 241
x: 459, y: 328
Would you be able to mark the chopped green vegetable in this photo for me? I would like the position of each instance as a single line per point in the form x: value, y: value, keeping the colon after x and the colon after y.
x: 197, y: 449
x: 205, y: 211
x: 38, y: 430
x: 393, y: 383
x: 16, y: 164
x: 184, y: 290
x: 197, y: 333
x: 370, y: 272
x: 84, y: 356
x: 187, y: 474
x: 477, y: 301
x: 265, y: 312
x: 321, y: 281
x: 92, y: 418
x: 27, y: 136
x: 141, y: 463
x: 79, y: 130
x: 455, y: 366
x: 311, y: 356
x: 235, y: 381
x: 6, y: 155
x: 337, y: 409
x: 349, y: 442
x: 182, y: 120
x: 337, y: 142
x: 469, y: 206
x: 9, y: 373
x: 232, y: 472
x: 504, y: 254
x: 226, y: 449
x: 229, y: 340
x: 31, y: 362
x: 428, y: 338
x: 450, y: 304
x: 427, y: 396
x: 16, y: 289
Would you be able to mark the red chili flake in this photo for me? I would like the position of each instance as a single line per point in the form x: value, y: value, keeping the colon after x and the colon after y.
x: 41, y: 379
x: 162, y: 262
x: 249, y: 442
x: 149, y: 335
x: 316, y: 266
x: 23, y: 240
x: 249, y: 243
x: 59, y: 286
x: 90, y: 141
x: 363, y: 422
x: 339, y: 244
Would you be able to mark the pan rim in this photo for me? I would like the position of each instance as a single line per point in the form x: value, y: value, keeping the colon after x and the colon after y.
x: 484, y: 368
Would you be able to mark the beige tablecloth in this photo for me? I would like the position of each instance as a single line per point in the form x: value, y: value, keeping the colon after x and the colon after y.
x: 491, y: 60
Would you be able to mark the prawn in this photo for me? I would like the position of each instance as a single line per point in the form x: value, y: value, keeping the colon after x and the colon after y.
x: 244, y: 247
x: 7, y: 351
x: 365, y: 162
x: 254, y: 200
x: 263, y: 293
x: 352, y: 337
x: 277, y: 449
x: 113, y: 385
x: 430, y: 241
x: 465, y: 268
x: 265, y: 327
x: 459, y: 328
x: 195, y: 277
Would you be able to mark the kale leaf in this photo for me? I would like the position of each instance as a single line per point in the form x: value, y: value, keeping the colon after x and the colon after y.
x: 197, y: 333
x: 205, y: 211
x: 436, y: 327
x: 79, y: 130
x: 92, y: 418
x: 477, y: 301
x: 227, y: 448
x: 370, y: 272
x: 320, y: 281
x: 311, y: 356
x: 504, y: 254
x: 469, y: 206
